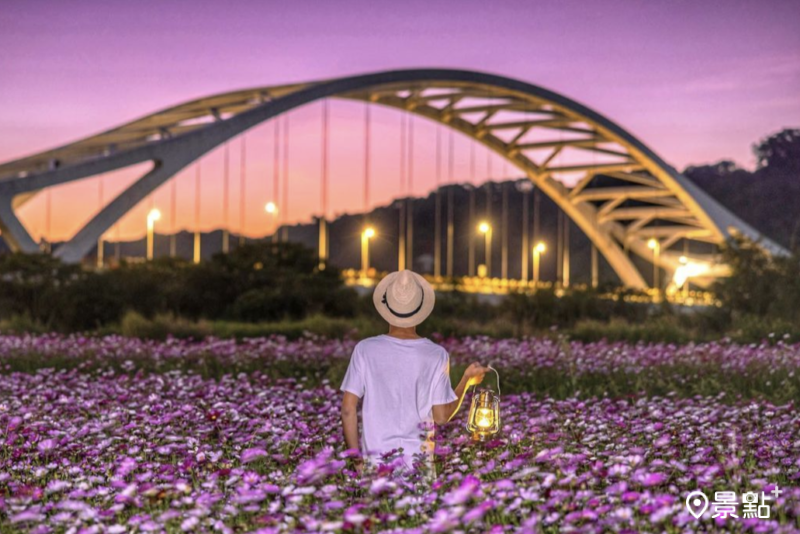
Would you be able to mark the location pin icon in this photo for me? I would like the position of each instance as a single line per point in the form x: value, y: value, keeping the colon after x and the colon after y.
x: 697, y: 503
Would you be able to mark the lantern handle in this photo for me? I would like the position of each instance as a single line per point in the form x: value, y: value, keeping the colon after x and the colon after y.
x: 498, y: 378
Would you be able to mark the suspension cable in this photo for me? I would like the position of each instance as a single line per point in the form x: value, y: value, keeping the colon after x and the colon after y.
x: 437, y: 270
x: 410, y: 202
x: 173, y: 217
x: 276, y: 166
x: 450, y: 217
x: 324, y: 185
x: 226, y: 189
x: 402, y: 153
x: 286, y: 175
x: 410, y: 154
x: 100, y: 207
x: 367, y: 148
x: 438, y: 156
x: 197, y: 198
x: 47, y: 217
x: 196, y: 249
x: 242, y: 190
x: 472, y: 162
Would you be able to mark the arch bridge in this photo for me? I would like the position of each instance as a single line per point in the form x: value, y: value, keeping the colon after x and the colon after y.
x: 619, y: 192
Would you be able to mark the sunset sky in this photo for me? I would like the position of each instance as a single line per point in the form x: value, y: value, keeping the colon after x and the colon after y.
x: 697, y: 81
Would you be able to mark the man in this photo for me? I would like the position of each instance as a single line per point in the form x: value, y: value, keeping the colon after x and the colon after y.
x: 403, y: 379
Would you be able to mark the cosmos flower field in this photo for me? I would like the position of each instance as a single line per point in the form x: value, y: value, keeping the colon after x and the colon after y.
x: 124, y: 435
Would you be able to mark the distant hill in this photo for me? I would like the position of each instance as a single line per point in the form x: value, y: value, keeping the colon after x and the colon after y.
x: 768, y: 202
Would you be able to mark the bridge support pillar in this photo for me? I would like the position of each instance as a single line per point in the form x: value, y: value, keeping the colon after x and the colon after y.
x: 14, y: 233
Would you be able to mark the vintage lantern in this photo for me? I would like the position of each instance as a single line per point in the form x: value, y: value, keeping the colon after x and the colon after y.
x: 484, y: 414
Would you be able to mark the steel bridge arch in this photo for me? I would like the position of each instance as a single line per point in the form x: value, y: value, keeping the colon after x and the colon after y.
x: 622, y: 195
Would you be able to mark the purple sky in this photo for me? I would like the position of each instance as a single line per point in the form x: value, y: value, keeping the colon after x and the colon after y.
x: 696, y: 81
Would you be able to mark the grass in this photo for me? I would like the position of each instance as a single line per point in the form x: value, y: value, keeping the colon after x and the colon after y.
x: 778, y: 386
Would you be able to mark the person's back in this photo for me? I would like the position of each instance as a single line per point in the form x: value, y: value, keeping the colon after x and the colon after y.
x: 403, y: 379
x: 400, y: 380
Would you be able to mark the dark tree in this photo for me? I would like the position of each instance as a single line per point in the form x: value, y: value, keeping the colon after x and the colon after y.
x: 780, y: 152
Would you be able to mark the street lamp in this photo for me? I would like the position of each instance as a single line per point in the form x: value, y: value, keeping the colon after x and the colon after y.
x: 655, y: 246
x: 538, y: 250
x: 684, y: 261
x: 486, y: 229
x: 366, y: 235
x: 152, y: 217
x: 272, y: 210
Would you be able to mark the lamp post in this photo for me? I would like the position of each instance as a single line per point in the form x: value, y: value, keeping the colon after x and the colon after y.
x: 486, y: 229
x: 684, y: 261
x: 323, y: 242
x: 538, y: 250
x: 272, y: 210
x: 152, y: 217
x: 366, y: 235
x: 654, y: 245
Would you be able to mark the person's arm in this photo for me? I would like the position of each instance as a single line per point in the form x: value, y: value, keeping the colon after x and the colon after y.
x: 350, y: 420
x: 354, y: 388
x: 474, y: 374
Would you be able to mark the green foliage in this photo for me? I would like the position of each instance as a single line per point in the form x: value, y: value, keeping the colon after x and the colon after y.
x: 260, y: 290
x: 163, y: 325
x: 663, y: 329
x: 762, y: 285
x: 21, y: 324
x: 254, y: 283
x: 754, y: 329
x: 30, y: 285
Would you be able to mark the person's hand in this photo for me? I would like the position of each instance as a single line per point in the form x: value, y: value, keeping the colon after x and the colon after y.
x: 359, y: 465
x: 475, y: 374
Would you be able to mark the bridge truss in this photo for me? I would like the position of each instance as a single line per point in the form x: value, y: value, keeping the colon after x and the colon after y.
x: 617, y: 190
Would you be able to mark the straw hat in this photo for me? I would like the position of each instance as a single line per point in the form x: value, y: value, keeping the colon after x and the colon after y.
x: 404, y: 298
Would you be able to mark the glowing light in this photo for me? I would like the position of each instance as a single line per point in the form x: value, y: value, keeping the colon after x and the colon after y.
x: 369, y: 233
x: 484, y: 227
x: 152, y: 217
x: 540, y: 247
x: 652, y: 244
x: 688, y: 270
x: 271, y: 207
x: 484, y: 418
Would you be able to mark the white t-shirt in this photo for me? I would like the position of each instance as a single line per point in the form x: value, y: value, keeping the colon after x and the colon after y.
x: 400, y: 380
